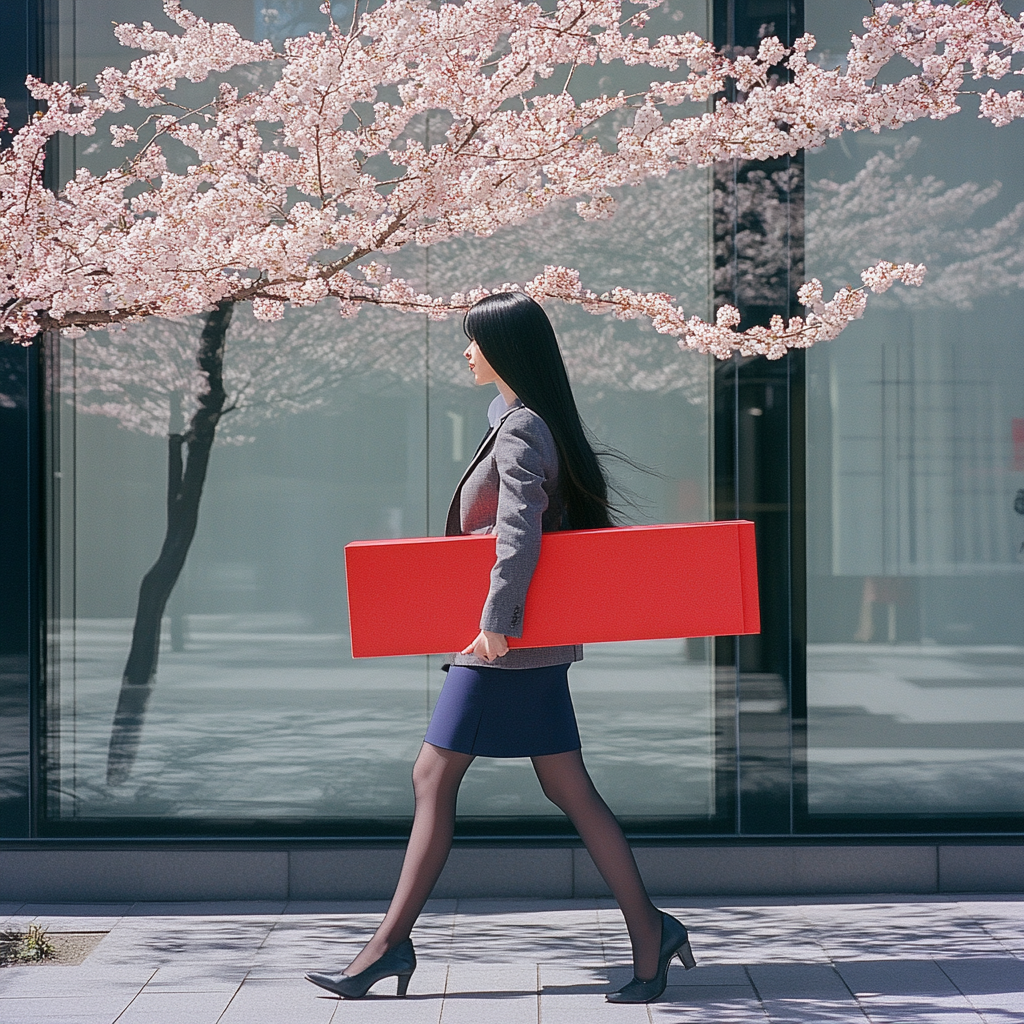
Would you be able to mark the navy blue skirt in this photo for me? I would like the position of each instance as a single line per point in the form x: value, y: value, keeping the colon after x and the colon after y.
x: 505, y: 712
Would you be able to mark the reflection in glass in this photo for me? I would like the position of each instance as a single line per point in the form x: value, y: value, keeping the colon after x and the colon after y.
x: 915, y: 566
x: 334, y: 430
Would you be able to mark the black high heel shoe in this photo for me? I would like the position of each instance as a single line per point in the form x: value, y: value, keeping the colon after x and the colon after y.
x: 674, y: 942
x: 400, y: 962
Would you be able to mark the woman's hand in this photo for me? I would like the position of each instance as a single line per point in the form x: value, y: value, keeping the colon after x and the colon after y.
x: 488, y: 646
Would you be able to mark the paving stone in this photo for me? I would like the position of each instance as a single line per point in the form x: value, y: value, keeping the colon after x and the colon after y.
x: 210, y: 908
x: 281, y: 972
x: 75, y: 917
x: 294, y: 955
x: 985, y: 975
x: 614, y: 937
x: 733, y: 936
x: 798, y: 981
x: 1002, y: 920
x: 314, y: 941
x: 748, y: 934
x: 570, y: 995
x: 56, y: 981
x: 993, y: 986
x: 388, y: 1010
x: 907, y: 992
x: 324, y: 908
x: 291, y: 1001
x: 64, y: 925
x: 708, y: 974
x: 577, y: 1007
x: 896, y: 977
x: 10, y: 976
x: 432, y: 927
x: 490, y: 993
x: 813, y: 1011
x: 485, y: 979
x: 907, y: 961
x: 1005, y: 1008
x: 158, y: 941
x: 913, y: 931
x: 734, y: 1004
x: 299, y: 954
x: 18, y: 922
x: 269, y: 1001
x: 196, y: 977
x: 804, y: 994
x: 418, y: 1007
x: 920, y: 1010
x: 525, y: 936
x: 515, y: 907
x: 161, y: 1007
x: 98, y: 1009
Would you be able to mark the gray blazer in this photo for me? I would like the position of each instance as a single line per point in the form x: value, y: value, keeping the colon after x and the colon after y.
x: 511, y: 489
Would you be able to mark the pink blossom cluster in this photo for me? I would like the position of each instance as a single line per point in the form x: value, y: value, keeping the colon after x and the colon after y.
x: 278, y: 195
x: 825, y: 321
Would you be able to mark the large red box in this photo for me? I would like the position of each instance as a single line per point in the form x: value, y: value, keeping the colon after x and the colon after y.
x: 424, y: 595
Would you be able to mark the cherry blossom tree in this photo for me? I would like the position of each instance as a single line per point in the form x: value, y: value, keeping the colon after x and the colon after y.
x: 298, y: 186
x: 301, y: 189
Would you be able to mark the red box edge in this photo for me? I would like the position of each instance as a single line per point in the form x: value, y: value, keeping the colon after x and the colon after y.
x: 746, y: 542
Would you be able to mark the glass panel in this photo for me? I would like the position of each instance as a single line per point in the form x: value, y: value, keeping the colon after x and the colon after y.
x: 915, y: 464
x: 347, y: 430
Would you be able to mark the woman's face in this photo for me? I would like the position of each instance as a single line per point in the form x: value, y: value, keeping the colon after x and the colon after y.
x: 483, y: 372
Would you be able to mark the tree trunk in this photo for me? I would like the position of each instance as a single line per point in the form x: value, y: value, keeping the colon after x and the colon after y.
x: 184, y: 489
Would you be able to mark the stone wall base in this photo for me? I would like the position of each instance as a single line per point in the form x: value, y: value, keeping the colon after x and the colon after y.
x: 41, y: 872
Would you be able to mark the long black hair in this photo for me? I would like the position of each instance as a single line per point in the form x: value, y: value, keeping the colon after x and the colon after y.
x: 517, y: 339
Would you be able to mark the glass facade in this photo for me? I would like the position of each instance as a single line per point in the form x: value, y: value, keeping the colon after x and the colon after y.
x: 347, y: 429
x: 884, y: 471
x: 915, y: 454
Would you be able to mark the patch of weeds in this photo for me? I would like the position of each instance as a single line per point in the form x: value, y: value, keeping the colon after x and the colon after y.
x: 25, y: 947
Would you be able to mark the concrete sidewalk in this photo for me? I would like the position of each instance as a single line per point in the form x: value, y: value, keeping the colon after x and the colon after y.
x: 795, y: 961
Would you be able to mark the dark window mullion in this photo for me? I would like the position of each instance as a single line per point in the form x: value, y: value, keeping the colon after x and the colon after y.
x: 757, y: 425
x: 27, y: 50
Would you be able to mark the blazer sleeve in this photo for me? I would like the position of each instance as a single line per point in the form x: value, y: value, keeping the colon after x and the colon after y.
x: 521, y: 457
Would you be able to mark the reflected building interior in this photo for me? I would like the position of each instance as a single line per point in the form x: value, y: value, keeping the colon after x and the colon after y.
x: 915, y: 570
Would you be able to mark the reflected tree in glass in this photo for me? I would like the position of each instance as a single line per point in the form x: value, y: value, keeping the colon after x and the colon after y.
x: 161, y: 379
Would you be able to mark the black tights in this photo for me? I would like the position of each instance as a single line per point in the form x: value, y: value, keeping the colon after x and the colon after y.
x: 436, y: 777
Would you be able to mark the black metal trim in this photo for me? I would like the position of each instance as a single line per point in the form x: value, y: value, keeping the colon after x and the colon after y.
x: 755, y: 473
x: 366, y: 829
x: 301, y: 840
x: 18, y: 660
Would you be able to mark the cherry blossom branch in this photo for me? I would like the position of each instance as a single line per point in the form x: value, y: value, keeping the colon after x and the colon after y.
x: 825, y: 321
x: 260, y: 217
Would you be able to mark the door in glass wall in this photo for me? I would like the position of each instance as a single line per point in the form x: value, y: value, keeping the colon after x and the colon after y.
x: 915, y: 469
x: 341, y: 430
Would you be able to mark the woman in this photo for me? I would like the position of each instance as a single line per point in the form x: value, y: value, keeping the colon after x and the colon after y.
x: 534, y: 472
